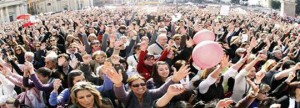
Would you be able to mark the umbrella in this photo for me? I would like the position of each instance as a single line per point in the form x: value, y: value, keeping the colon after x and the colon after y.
x: 23, y: 16
x: 27, y: 24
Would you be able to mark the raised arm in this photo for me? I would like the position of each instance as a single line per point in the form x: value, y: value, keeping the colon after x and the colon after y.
x: 116, y: 78
x: 286, y: 72
x: 178, y: 75
x: 173, y: 90
x: 37, y: 83
x: 212, y: 77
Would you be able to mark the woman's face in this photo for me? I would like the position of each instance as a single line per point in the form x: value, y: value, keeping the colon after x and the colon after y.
x: 72, y: 49
x: 149, y: 61
x: 96, y: 45
x: 100, y: 59
x: 163, y: 70
x: 145, y: 38
x: 262, y: 96
x: 78, y: 79
x: 138, y: 86
x: 124, y: 39
x: 18, y: 50
x: 85, y: 98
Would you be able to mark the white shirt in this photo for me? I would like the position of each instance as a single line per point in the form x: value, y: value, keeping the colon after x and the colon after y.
x: 240, y: 86
x: 6, y: 90
x: 132, y: 60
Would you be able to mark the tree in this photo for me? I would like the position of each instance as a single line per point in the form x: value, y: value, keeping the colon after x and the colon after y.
x: 275, y: 4
x: 235, y: 1
x: 298, y: 7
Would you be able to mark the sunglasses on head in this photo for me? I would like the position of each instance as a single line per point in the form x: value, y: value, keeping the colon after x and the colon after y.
x: 95, y: 42
x: 137, y: 85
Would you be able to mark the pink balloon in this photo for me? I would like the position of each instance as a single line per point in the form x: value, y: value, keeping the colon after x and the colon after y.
x: 207, y: 54
x: 203, y: 35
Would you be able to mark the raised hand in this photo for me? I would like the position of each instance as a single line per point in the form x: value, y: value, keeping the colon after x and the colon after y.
x: 81, y: 47
x: 175, y: 89
x: 107, y: 67
x: 61, y: 61
x: 115, y: 77
x: 254, y: 87
x: 115, y: 59
x: 189, y: 43
x: 291, y: 76
x: 29, y: 67
x: 253, y: 42
x: 86, y: 58
x: 118, y: 44
x: 181, y: 73
x: 259, y: 76
x: 224, y: 103
x: 262, y: 57
x: 224, y: 62
x: 144, y: 45
x: 112, y: 38
x: 56, y: 85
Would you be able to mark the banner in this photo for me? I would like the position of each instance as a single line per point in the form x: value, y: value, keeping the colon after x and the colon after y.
x: 224, y: 10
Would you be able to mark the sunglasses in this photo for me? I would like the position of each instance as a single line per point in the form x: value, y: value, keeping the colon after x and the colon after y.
x: 137, y: 85
x: 96, y: 43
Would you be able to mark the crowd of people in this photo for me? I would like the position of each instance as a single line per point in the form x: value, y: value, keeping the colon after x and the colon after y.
x: 130, y: 57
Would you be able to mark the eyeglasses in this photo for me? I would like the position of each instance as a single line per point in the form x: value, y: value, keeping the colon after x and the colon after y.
x: 18, y: 49
x: 137, y: 85
x: 177, y: 39
x: 37, y: 46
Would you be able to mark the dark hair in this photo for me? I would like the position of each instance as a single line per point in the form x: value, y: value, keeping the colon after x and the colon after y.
x: 287, y: 64
x: 179, y: 63
x: 45, y: 72
x: 148, y: 56
x: 156, y: 78
x: 136, y: 47
x: 267, y: 102
x: 71, y: 76
x: 123, y: 61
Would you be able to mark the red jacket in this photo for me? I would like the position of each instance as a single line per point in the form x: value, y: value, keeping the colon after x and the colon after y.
x: 145, y: 70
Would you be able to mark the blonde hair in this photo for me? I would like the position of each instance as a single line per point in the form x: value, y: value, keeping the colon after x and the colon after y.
x: 267, y: 66
x: 87, y: 86
x: 134, y: 78
x: 206, y: 72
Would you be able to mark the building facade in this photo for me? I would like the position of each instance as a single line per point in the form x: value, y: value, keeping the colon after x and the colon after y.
x: 10, y: 9
x: 45, y: 6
